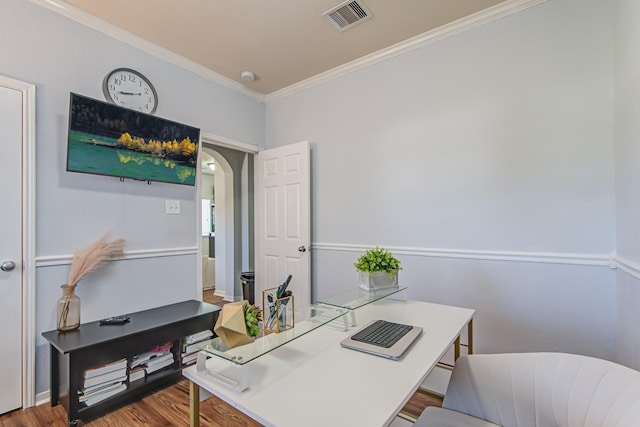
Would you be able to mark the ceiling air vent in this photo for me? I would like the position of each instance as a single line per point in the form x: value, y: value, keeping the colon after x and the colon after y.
x: 348, y: 14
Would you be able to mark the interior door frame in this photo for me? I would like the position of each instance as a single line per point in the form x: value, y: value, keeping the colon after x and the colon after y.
x: 221, y: 141
x: 28, y: 235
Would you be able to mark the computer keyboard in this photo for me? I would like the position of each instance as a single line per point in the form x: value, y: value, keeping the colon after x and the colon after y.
x: 382, y: 333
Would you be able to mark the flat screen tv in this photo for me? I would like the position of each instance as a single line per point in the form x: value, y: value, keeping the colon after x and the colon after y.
x: 105, y: 139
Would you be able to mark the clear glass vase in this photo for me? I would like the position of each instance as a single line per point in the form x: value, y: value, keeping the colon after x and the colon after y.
x: 68, y: 309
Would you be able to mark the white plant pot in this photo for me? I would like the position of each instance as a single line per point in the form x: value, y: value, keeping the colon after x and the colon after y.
x: 378, y: 280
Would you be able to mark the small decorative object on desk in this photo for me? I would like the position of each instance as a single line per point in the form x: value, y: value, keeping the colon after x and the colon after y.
x: 252, y: 316
x: 238, y: 323
x: 281, y: 310
x: 83, y: 262
x: 378, y: 269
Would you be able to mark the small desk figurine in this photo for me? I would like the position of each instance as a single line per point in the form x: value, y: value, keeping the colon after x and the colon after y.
x: 232, y: 326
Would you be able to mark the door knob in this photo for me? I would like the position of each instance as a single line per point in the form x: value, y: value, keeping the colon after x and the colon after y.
x: 7, y: 265
x: 302, y: 249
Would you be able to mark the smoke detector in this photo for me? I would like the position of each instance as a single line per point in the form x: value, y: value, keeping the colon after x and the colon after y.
x: 248, y: 76
x: 348, y: 14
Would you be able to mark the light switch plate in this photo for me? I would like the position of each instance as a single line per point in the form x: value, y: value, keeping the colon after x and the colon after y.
x: 173, y: 207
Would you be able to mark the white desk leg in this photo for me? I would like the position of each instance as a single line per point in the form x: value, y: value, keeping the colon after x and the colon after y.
x: 194, y: 404
x: 470, y: 337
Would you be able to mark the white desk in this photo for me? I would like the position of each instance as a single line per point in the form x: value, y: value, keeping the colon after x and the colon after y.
x: 313, y: 381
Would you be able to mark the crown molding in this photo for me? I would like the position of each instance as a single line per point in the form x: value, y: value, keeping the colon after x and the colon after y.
x: 63, y: 8
x: 479, y: 18
x: 463, y: 24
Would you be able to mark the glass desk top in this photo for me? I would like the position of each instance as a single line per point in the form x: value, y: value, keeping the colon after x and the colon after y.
x: 306, y: 321
x: 237, y: 376
x: 356, y: 298
x: 310, y: 318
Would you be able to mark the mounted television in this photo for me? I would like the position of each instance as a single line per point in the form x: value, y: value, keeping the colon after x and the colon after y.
x: 105, y: 139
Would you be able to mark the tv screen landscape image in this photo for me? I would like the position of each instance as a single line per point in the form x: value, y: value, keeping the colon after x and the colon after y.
x: 105, y: 139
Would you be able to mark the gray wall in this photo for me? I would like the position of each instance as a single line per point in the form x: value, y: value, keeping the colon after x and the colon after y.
x: 60, y: 56
x: 486, y: 161
x: 628, y: 179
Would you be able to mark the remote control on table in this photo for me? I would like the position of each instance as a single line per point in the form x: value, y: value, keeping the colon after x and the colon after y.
x: 116, y: 320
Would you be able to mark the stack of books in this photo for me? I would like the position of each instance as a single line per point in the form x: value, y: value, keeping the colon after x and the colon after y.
x: 102, y: 382
x: 158, y: 363
x: 190, y: 346
x: 150, y: 361
x: 136, y: 373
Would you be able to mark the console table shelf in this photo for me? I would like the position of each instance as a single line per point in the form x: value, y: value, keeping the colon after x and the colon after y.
x: 71, y: 353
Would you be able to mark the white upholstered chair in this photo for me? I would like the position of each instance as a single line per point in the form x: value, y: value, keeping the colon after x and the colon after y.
x: 537, y: 390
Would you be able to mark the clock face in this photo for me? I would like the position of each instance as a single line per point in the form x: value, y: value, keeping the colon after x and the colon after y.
x: 130, y: 89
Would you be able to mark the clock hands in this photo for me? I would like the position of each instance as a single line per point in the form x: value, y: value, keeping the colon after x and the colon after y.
x: 128, y: 93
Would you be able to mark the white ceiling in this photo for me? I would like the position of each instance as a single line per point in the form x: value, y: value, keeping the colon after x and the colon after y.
x: 284, y: 42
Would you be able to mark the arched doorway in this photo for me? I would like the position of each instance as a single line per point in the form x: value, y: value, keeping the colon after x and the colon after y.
x: 224, y: 231
x: 233, y: 212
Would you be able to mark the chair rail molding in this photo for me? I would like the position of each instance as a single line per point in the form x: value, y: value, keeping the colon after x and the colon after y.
x: 601, y: 260
x: 55, y: 260
x: 629, y: 267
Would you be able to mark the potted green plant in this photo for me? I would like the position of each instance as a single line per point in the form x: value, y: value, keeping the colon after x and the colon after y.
x: 378, y: 269
x: 252, y: 317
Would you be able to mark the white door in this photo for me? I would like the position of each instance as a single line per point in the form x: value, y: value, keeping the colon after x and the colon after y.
x: 282, y: 216
x: 11, y: 248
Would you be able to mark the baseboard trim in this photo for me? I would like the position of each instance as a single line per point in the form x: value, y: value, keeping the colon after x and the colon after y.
x: 43, y: 398
x: 599, y: 260
x: 56, y: 260
x: 221, y: 294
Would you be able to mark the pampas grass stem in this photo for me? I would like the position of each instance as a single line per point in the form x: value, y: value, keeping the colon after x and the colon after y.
x: 93, y: 256
x: 84, y: 262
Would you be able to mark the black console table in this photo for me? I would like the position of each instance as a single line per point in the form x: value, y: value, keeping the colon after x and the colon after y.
x: 93, y: 345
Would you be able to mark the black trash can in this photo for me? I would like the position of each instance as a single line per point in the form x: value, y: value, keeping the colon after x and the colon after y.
x: 248, y: 286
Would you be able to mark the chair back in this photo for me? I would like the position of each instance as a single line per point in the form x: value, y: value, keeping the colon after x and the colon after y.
x: 545, y: 390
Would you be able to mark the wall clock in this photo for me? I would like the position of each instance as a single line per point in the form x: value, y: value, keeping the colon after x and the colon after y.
x: 130, y: 89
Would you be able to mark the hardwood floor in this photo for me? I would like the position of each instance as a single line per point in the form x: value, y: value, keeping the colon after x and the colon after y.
x: 168, y: 407
x: 209, y: 296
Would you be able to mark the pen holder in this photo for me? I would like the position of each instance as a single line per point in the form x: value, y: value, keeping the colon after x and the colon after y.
x: 277, y: 316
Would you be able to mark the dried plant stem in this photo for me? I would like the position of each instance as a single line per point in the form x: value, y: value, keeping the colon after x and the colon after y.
x: 91, y: 258
x: 84, y: 262
x: 62, y: 321
x: 64, y: 314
